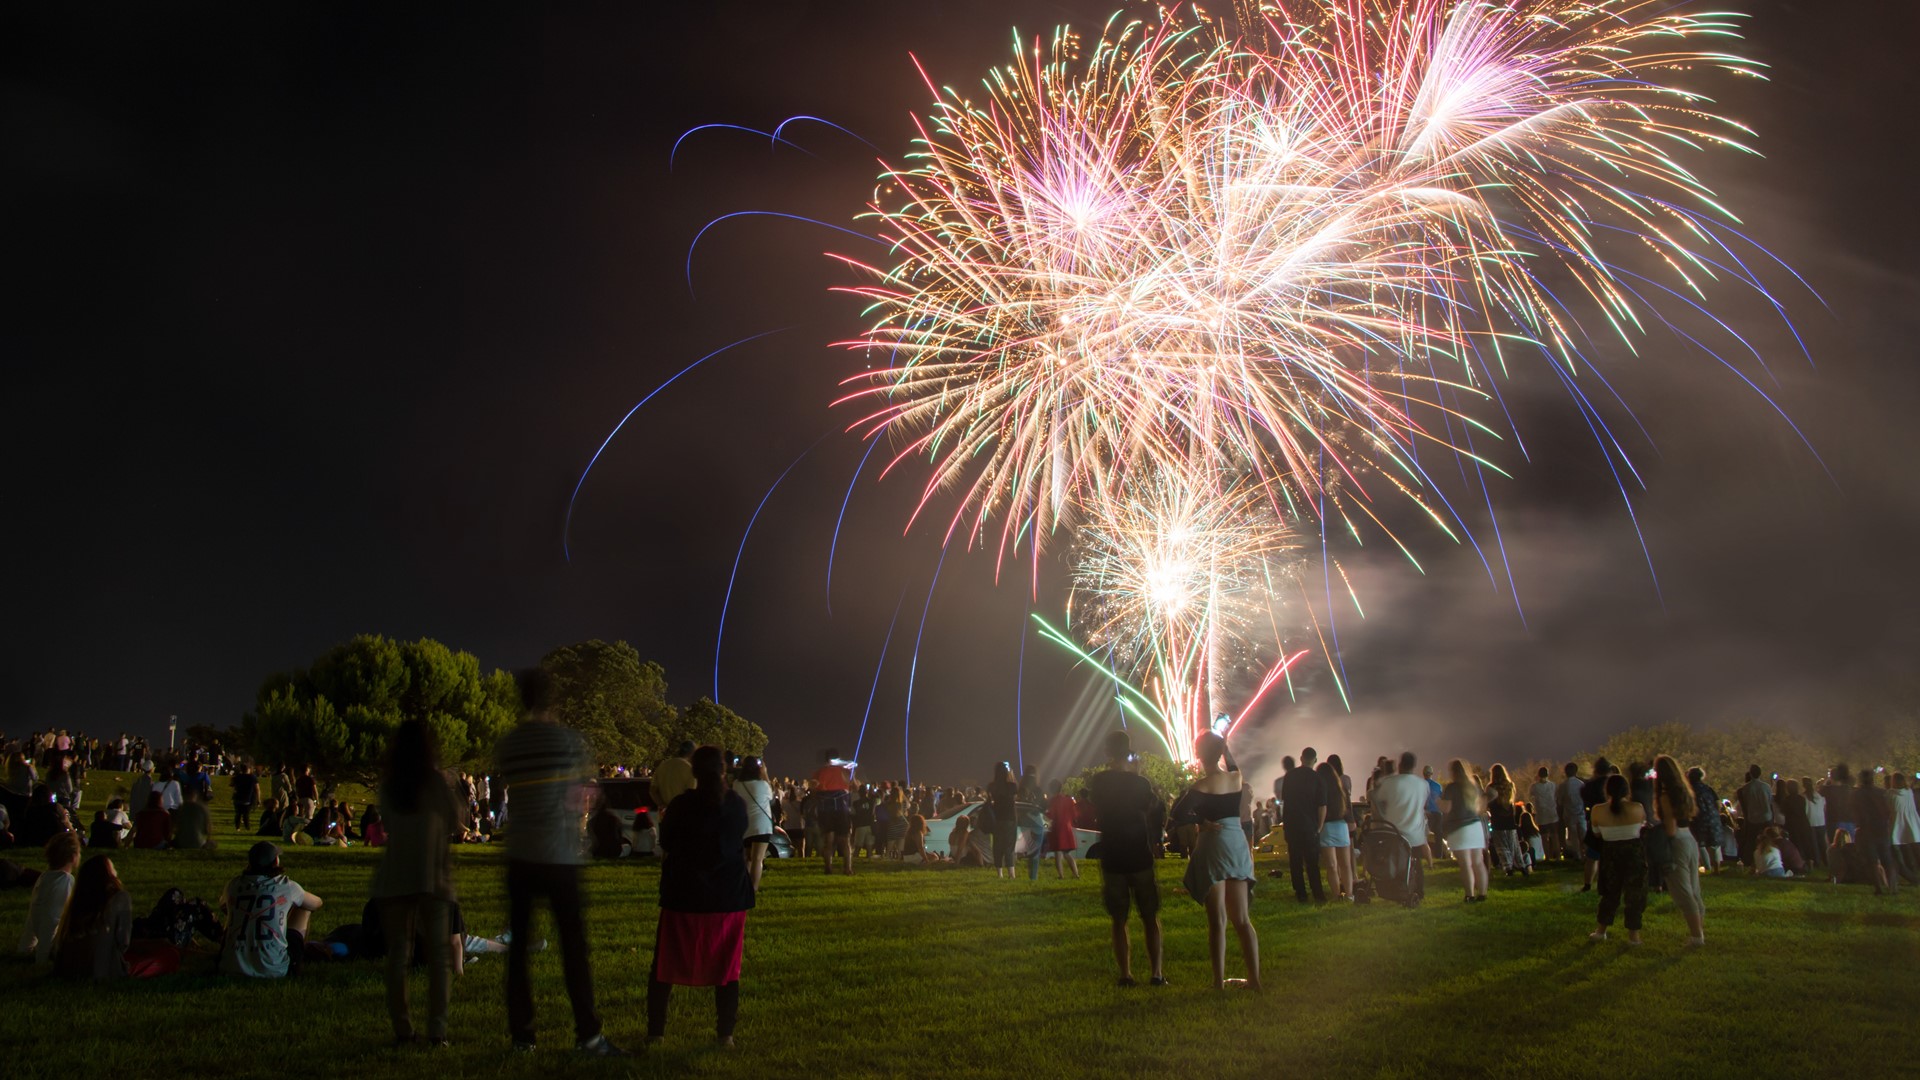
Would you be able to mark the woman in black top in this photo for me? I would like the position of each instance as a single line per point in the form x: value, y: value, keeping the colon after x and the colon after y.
x: 1002, y: 799
x: 705, y: 894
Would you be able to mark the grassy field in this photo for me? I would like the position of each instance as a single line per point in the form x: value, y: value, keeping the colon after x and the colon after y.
x: 909, y: 972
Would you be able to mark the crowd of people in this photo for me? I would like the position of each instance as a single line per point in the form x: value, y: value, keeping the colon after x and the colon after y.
x: 1652, y: 827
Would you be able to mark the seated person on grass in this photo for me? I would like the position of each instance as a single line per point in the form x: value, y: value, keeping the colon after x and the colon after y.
x: 122, y: 819
x: 152, y: 826
x: 266, y: 918
x: 96, y: 933
x: 270, y: 816
x: 50, y: 894
x: 192, y: 824
x: 103, y: 833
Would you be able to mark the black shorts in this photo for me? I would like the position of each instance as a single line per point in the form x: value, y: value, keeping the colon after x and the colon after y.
x: 763, y: 838
x: 1118, y: 888
x: 836, y: 815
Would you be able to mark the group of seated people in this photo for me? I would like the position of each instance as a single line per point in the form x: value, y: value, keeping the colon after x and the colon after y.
x: 80, y: 923
x: 331, y: 824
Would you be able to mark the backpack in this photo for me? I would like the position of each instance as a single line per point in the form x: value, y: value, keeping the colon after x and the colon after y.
x: 175, y: 919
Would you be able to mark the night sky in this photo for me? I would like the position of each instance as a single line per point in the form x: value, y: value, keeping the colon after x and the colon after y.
x: 315, y: 314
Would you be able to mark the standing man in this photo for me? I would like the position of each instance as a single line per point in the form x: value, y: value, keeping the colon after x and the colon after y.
x: 833, y: 797
x: 1756, y: 811
x: 1573, y: 817
x: 545, y: 766
x: 673, y: 777
x: 1130, y: 815
x: 246, y: 793
x: 1400, y: 800
x: 1545, y: 797
x: 1304, y: 809
x: 306, y: 791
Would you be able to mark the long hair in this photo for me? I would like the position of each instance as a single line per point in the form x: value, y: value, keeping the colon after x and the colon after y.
x: 1002, y: 771
x: 93, y: 887
x: 413, y: 762
x: 1617, y: 790
x: 1807, y: 788
x: 709, y: 773
x: 1669, y: 781
x: 1463, y: 775
x: 1500, y: 783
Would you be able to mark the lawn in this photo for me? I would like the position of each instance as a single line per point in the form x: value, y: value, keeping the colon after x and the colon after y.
x: 951, y: 973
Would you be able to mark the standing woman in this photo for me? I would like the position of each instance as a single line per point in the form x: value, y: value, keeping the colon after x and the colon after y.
x: 1061, y: 839
x: 1336, y: 835
x: 750, y: 783
x: 414, y: 882
x: 1466, y: 837
x: 705, y: 894
x: 1673, y: 797
x: 1506, y: 821
x: 1816, y: 819
x: 1220, y: 871
x: 1003, y: 801
x: 1618, y: 822
x: 1799, y: 827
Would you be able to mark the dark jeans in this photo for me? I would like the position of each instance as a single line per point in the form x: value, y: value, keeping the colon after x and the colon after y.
x: 1303, y: 860
x: 1749, y: 834
x: 243, y: 815
x: 1623, y: 875
x: 726, y: 1005
x: 1822, y: 836
x: 561, y: 886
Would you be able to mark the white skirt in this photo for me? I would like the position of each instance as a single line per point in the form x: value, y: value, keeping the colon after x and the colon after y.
x: 1468, y: 837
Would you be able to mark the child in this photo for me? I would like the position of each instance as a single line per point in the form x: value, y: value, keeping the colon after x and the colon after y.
x: 1532, y: 849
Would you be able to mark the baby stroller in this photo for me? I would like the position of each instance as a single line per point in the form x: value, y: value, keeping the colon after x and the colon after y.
x: 1390, y: 866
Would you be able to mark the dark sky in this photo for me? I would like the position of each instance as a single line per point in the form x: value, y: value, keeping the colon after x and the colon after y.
x: 314, y: 315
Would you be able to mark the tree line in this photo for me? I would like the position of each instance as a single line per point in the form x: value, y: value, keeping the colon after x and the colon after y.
x: 336, y: 714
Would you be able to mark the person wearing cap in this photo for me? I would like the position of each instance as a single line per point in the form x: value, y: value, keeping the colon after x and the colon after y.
x: 266, y: 918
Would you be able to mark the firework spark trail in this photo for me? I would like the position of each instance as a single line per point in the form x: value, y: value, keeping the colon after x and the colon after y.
x: 1299, y: 245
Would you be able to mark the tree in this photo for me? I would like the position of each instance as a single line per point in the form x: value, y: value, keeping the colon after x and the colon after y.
x: 336, y: 715
x: 1167, y: 778
x: 707, y: 721
x: 613, y: 698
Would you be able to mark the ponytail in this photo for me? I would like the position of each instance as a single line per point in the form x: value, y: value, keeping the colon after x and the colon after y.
x: 1616, y: 793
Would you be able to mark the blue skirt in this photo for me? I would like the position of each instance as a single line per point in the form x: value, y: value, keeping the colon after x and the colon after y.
x: 1334, y: 834
x: 1217, y: 857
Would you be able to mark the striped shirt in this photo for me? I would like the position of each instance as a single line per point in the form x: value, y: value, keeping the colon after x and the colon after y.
x: 544, y: 766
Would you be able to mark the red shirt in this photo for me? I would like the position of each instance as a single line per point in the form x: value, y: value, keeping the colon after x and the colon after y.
x: 833, y: 778
x: 151, y: 828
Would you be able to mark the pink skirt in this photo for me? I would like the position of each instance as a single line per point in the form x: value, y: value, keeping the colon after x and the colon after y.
x: 699, y: 948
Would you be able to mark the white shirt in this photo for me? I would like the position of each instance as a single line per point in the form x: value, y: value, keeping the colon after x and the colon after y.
x: 1906, y: 820
x: 1400, y: 800
x: 1770, y: 861
x: 169, y: 795
x: 257, y: 908
x: 50, y: 894
x: 1817, y: 810
x: 1546, y: 803
x: 759, y: 798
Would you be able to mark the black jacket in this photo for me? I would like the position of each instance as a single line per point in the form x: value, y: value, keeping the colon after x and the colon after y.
x: 703, y: 864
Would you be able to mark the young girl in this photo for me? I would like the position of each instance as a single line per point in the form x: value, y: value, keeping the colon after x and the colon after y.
x: 1767, y: 861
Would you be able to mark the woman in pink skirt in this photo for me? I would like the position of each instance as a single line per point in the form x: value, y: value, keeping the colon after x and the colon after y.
x: 1061, y: 839
x: 705, y: 894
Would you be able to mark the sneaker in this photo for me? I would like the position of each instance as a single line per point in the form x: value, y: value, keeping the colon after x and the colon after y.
x: 526, y: 1047
x: 599, y: 1046
x: 1597, y: 935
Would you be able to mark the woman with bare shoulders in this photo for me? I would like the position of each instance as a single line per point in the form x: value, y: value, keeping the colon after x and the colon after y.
x: 1220, y: 871
x: 1673, y: 796
x: 1618, y: 822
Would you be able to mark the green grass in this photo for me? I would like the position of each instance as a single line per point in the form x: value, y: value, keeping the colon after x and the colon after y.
x: 908, y: 972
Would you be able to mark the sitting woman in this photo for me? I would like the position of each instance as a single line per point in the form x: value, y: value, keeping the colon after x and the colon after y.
x: 605, y: 838
x: 1767, y: 861
x: 1848, y: 862
x: 103, y: 833
x: 153, y: 826
x: 270, y: 818
x: 95, y: 939
x: 963, y: 849
x: 372, y: 829
x: 914, y: 846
